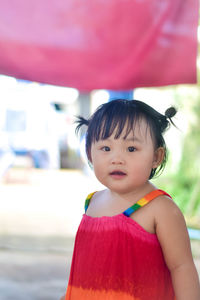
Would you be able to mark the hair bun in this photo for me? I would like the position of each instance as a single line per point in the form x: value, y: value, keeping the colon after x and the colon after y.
x: 170, y: 112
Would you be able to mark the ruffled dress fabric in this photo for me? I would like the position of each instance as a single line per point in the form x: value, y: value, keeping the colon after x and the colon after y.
x: 116, y: 259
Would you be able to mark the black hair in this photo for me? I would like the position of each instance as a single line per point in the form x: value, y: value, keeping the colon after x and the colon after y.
x: 118, y: 114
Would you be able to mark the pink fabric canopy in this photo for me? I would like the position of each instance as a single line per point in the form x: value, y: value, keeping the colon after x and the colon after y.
x: 92, y: 44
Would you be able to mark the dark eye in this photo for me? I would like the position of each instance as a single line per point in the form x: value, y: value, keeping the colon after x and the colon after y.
x: 131, y: 149
x: 106, y: 148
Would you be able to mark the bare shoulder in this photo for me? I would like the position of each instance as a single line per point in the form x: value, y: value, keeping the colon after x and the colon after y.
x: 98, y: 194
x: 96, y: 202
x: 168, y: 215
x: 95, y: 194
x: 172, y: 232
x: 165, y: 207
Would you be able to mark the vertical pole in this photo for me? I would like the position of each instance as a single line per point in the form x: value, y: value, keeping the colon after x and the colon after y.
x: 84, y: 101
x: 84, y: 104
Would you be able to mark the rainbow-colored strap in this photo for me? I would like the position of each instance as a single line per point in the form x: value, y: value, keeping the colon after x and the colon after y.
x: 143, y: 201
x: 87, y: 200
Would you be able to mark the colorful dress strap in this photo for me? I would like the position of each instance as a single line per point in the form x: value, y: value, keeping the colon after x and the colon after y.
x: 143, y: 201
x: 87, y: 200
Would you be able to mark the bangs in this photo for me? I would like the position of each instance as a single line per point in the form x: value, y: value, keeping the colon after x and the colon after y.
x: 116, y: 121
x: 115, y: 126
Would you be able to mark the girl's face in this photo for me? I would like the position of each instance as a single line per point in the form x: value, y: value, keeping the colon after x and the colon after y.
x: 124, y: 165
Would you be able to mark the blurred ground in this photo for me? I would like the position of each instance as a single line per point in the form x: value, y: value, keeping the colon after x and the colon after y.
x: 33, y: 275
x: 39, y: 214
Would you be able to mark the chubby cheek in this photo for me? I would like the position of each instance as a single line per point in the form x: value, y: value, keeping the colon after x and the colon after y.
x: 98, y: 168
x: 141, y: 168
x: 146, y: 169
x: 98, y: 175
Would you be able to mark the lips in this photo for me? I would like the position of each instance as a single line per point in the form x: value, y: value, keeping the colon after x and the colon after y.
x: 117, y: 174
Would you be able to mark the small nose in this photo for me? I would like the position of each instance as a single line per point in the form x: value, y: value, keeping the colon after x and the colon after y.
x: 117, y: 159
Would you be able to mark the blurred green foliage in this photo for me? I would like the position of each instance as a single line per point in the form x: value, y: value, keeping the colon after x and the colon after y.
x: 184, y: 183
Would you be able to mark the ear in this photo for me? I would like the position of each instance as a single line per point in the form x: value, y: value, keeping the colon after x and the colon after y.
x: 158, y: 157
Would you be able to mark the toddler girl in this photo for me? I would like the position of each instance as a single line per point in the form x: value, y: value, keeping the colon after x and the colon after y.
x: 132, y: 242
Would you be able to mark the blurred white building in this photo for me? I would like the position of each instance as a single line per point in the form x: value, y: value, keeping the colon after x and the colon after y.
x: 30, y: 125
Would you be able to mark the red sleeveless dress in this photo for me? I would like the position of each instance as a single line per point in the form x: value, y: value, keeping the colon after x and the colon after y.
x: 116, y: 259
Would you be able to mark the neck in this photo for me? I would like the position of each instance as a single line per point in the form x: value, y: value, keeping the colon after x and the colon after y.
x: 134, y: 195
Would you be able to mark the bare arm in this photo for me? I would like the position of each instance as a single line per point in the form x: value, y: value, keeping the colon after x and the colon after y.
x: 173, y: 236
x: 62, y: 298
x: 185, y: 281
